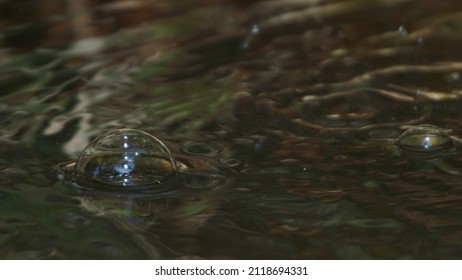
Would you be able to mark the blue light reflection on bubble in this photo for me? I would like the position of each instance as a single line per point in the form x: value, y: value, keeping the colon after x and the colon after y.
x: 126, y: 158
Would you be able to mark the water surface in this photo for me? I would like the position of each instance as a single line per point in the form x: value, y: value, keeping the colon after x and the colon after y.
x: 299, y: 101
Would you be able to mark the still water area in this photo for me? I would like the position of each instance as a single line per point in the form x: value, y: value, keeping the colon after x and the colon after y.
x: 230, y: 129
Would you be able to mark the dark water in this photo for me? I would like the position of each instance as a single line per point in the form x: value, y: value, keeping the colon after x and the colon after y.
x: 299, y: 101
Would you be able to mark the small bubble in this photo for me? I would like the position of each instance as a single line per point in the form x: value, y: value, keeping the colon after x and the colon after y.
x: 402, y: 30
x: 424, y: 138
x: 454, y: 77
x: 199, y: 148
x: 255, y: 29
x: 233, y: 162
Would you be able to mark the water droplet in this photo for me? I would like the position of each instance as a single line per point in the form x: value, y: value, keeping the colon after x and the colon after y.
x: 424, y: 138
x: 126, y: 158
x: 402, y: 30
x: 247, y: 41
x: 255, y: 29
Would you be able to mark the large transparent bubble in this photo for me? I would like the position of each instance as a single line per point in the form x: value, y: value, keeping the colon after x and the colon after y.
x: 125, y: 158
x: 135, y: 164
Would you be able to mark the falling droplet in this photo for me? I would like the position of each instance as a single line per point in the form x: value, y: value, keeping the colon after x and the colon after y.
x: 247, y: 41
x: 255, y: 29
x: 125, y: 158
x: 424, y: 138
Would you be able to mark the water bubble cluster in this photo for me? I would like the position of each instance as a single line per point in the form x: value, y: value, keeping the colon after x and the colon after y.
x: 125, y: 158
